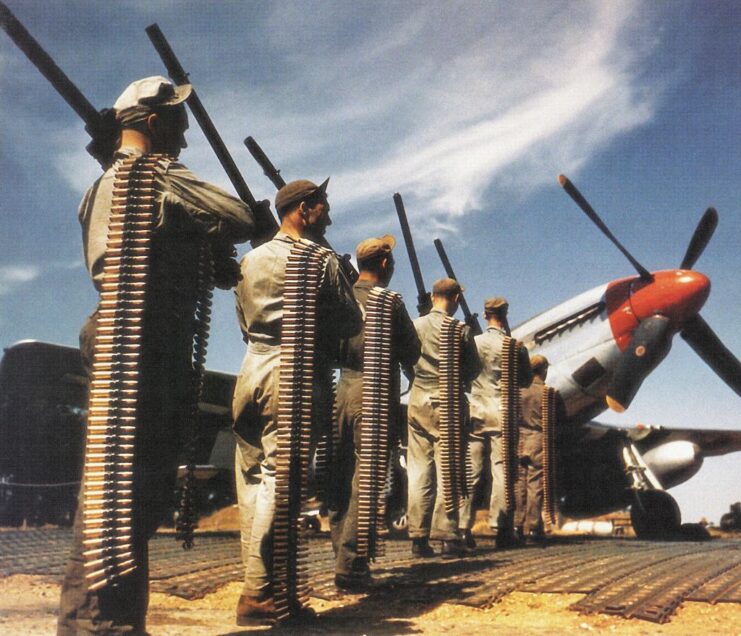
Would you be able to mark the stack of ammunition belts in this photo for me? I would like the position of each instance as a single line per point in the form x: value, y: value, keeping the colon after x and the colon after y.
x: 378, y: 362
x: 453, y: 436
x: 187, y: 514
x: 115, y: 390
x: 511, y: 412
x: 548, y: 417
x: 303, y: 274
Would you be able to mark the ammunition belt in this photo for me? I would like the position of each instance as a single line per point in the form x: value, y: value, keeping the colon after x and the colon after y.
x: 328, y: 442
x: 187, y: 514
x: 511, y: 413
x: 548, y: 417
x: 453, y: 435
x: 303, y: 275
x: 378, y: 363
x: 114, y: 390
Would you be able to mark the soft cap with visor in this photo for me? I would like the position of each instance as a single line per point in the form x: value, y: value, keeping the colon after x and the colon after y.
x: 372, y: 247
x: 143, y: 96
x: 297, y: 191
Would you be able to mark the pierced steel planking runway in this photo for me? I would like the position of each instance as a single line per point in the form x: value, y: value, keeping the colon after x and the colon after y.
x: 635, y: 579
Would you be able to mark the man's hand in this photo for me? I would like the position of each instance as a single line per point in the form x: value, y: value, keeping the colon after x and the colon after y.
x: 262, y: 211
x: 227, y: 272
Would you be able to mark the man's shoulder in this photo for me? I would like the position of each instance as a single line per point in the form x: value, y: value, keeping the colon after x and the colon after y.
x: 173, y: 167
x: 361, y: 291
x: 430, y: 324
x: 535, y: 389
x: 177, y: 177
x: 491, y: 336
x: 269, y: 250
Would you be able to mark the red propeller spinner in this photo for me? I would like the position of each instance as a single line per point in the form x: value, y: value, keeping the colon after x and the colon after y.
x: 677, y: 294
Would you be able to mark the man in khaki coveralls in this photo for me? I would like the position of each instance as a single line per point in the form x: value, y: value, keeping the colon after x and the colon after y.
x: 152, y: 119
x: 376, y: 265
x: 486, y: 417
x: 529, y: 487
x: 300, y: 204
x: 423, y: 454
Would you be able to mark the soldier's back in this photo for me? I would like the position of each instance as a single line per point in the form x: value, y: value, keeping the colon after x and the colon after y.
x: 427, y: 369
x: 260, y: 292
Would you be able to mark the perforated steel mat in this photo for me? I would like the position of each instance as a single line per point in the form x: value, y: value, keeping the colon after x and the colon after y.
x: 638, y: 579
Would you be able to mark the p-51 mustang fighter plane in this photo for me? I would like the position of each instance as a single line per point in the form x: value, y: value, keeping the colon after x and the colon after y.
x: 602, y: 345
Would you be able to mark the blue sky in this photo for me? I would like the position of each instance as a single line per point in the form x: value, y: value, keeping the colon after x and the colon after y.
x: 470, y: 110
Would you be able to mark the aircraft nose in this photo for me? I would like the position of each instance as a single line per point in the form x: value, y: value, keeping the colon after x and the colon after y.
x: 677, y: 294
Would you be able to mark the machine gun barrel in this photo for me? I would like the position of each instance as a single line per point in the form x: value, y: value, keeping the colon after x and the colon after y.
x: 270, y: 171
x: 266, y: 221
x: 424, y: 302
x: 94, y: 120
x: 472, y: 320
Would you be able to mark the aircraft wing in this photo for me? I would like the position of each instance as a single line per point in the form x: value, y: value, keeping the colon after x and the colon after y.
x: 711, y: 442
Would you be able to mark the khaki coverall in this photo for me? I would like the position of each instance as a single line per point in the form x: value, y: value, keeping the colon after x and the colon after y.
x: 529, y: 487
x: 425, y: 501
x: 343, y: 508
x: 189, y: 209
x: 259, y: 298
x: 485, y: 406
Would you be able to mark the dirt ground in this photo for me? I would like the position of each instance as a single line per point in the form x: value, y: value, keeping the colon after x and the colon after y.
x: 28, y: 606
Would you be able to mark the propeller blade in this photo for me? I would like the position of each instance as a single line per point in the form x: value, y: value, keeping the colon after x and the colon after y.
x: 579, y: 199
x: 708, y: 346
x: 651, y: 341
x: 700, y: 239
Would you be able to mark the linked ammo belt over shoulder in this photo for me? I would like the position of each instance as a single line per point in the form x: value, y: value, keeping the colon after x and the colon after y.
x: 379, y: 391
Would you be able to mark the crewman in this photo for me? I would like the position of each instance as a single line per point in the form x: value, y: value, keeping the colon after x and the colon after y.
x: 529, y: 488
x: 485, y: 408
x: 260, y: 301
x: 187, y: 214
x: 376, y: 264
x: 427, y: 517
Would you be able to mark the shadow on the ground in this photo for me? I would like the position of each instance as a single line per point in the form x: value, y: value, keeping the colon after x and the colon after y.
x: 404, y: 593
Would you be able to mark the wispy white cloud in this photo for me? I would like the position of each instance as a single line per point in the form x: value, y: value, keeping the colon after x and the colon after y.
x: 75, y: 166
x: 14, y: 276
x: 441, y: 101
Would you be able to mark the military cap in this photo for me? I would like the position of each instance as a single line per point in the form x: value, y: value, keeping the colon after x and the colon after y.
x: 446, y: 287
x: 144, y: 95
x: 538, y: 363
x: 371, y: 247
x: 297, y: 191
x: 495, y: 305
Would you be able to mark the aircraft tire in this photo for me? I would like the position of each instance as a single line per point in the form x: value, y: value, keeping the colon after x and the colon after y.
x: 655, y: 515
x: 694, y: 532
x: 730, y: 521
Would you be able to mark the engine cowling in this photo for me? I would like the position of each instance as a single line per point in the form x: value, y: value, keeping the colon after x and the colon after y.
x: 674, y: 462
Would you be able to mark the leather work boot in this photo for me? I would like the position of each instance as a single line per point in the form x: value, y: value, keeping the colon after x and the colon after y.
x: 535, y: 538
x: 454, y: 549
x: 468, y: 539
x: 353, y: 582
x: 421, y: 548
x: 253, y: 611
x: 508, y: 539
x: 300, y: 617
